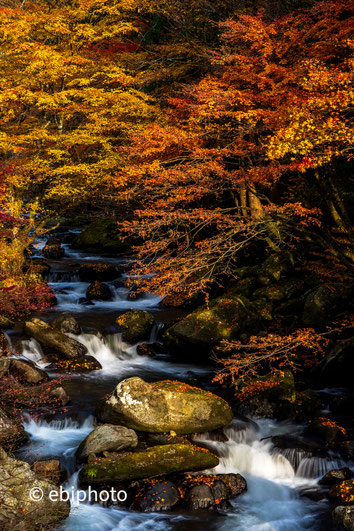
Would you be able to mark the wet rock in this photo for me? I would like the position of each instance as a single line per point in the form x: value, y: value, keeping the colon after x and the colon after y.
x: 335, y: 476
x: 136, y: 325
x: 16, y: 481
x: 275, y: 267
x: 49, y: 469
x: 100, y: 272
x: 343, y: 518
x: 161, y: 496
x: 4, y: 366
x: 11, y: 432
x: 6, y: 322
x: 199, y: 497
x: 164, y: 406
x: 327, y: 430
x: 204, y: 491
x: 275, y: 398
x: 99, y: 291
x: 102, y: 235
x: 343, y: 493
x: 60, y: 395
x: 52, y: 340
x: 24, y: 371
x: 106, y: 438
x: 67, y: 324
x: 323, y: 303
x: 157, y: 439
x: 85, y: 302
x: 156, y: 461
x: 225, y: 318
x: 235, y: 483
x: 53, y: 249
x: 82, y: 364
x: 146, y: 350
x: 339, y: 365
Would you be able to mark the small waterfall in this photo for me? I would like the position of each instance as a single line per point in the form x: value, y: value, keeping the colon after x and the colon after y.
x: 155, y: 333
x: 315, y: 467
x: 32, y: 351
x: 58, y: 438
x: 63, y: 277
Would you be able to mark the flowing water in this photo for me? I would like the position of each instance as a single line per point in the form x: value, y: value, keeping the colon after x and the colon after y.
x: 276, y: 479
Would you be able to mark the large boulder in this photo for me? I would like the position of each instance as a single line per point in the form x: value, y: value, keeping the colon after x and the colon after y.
x: 17, y: 484
x: 53, y: 249
x: 226, y: 317
x: 136, y: 325
x: 24, y: 370
x: 338, y: 368
x: 335, y: 476
x: 323, y: 303
x: 67, y: 324
x: 102, y: 235
x: 99, y: 291
x: 343, y: 518
x: 53, y: 340
x: 98, y: 271
x: 275, y: 267
x: 105, y: 438
x: 164, y: 406
x: 156, y: 461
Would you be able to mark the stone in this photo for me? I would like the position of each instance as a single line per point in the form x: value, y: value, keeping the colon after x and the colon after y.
x: 327, y: 430
x: 323, y: 303
x: 204, y: 491
x: 106, y: 438
x: 275, y: 267
x: 11, y: 432
x: 53, y: 340
x: 136, y: 325
x: 4, y: 366
x: 67, y: 324
x: 3, y: 343
x: 343, y: 518
x: 99, y: 291
x: 335, y: 476
x: 24, y: 371
x: 17, y: 480
x: 102, y: 235
x: 98, y: 271
x: 277, y: 292
x: 82, y: 364
x: 225, y: 318
x: 6, y: 322
x: 53, y: 249
x: 164, y: 406
x: 343, y: 493
x: 338, y: 368
x: 49, y: 469
x: 156, y: 461
x: 161, y: 496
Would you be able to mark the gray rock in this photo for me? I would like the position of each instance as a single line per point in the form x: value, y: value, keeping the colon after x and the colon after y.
x: 343, y: 518
x: 25, y: 371
x: 67, y: 324
x: 107, y: 438
x: 335, y: 476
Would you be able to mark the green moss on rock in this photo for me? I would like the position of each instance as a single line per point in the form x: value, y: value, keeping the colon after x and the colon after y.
x: 156, y: 461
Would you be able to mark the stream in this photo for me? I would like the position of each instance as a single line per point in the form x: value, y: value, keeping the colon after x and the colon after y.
x: 277, y: 482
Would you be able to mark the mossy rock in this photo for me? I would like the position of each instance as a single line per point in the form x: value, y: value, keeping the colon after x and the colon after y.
x: 53, y: 340
x: 102, y: 235
x: 275, y: 267
x: 153, y: 462
x: 136, y: 325
x: 277, y: 292
x: 323, y: 303
x: 275, y: 396
x: 6, y: 322
x: 164, y: 406
x: 226, y: 317
x: 343, y: 493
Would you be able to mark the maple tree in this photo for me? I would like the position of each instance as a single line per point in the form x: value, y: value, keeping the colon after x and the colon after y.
x: 236, y: 153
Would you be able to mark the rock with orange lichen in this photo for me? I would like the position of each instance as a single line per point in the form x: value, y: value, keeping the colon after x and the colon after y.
x: 164, y: 406
x: 343, y: 493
